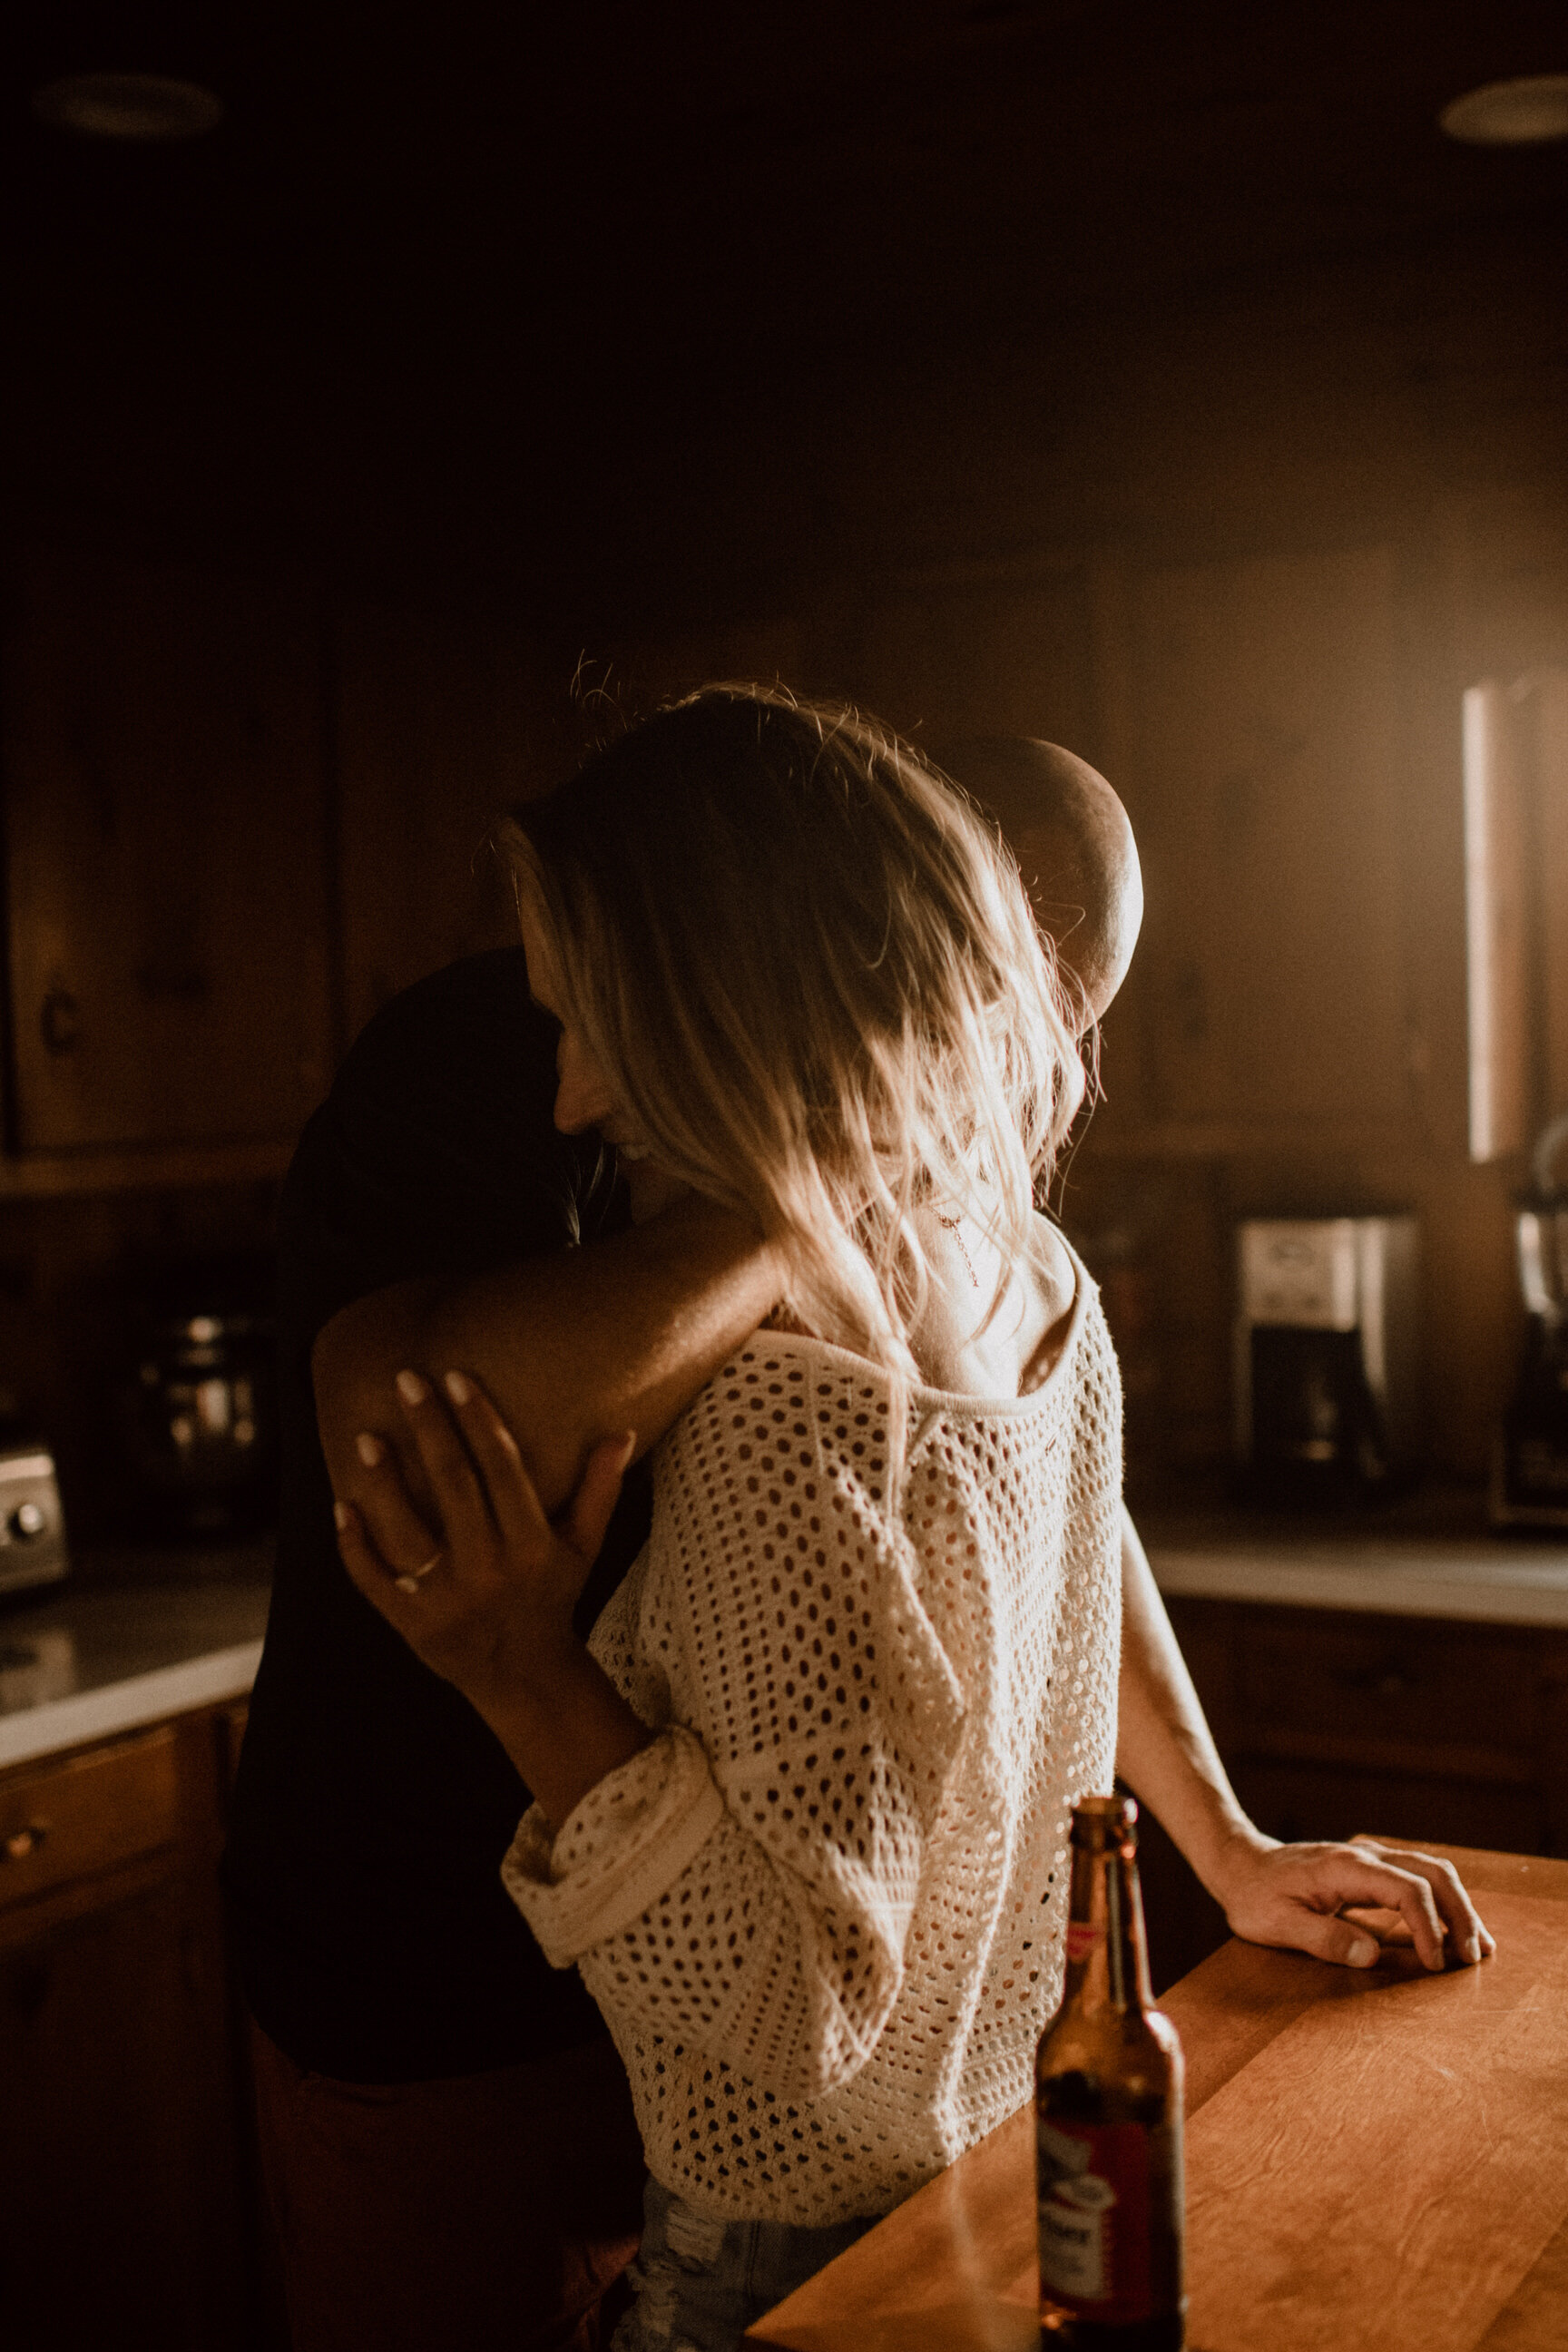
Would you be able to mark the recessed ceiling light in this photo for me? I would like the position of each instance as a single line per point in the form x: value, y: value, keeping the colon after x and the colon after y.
x: 128, y: 106
x: 1522, y: 113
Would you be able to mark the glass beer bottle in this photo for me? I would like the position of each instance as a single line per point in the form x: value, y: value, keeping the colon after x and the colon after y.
x: 1108, y: 2105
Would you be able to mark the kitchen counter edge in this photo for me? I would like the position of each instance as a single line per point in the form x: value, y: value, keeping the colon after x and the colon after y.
x: 1474, y: 1581
x: 115, y: 1659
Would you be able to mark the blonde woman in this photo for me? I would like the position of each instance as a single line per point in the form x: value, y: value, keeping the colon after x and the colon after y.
x: 800, y: 1803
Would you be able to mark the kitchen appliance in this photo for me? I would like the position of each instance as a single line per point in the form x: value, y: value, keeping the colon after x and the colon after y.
x: 1530, y: 1463
x: 196, y: 1423
x: 1326, y: 1367
x: 32, y: 1524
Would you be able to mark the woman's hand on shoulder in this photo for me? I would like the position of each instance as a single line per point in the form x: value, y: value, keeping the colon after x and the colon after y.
x: 486, y: 1598
x: 1296, y: 1897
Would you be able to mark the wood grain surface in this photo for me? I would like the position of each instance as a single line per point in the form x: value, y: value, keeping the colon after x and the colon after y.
x: 1376, y: 2161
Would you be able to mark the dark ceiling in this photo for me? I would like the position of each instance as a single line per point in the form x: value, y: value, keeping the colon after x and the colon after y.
x: 485, y: 221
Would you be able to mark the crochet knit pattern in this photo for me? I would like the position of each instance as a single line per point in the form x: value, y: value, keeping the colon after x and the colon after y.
x: 823, y: 1912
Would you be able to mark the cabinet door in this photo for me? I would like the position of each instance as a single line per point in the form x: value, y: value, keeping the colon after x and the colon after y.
x: 166, y: 858
x: 120, y: 2219
x: 1261, y: 729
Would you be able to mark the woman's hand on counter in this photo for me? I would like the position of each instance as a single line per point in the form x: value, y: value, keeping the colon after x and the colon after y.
x: 1292, y: 1896
x: 1288, y: 1896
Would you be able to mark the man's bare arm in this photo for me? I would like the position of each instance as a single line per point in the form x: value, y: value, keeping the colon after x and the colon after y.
x: 573, y: 1348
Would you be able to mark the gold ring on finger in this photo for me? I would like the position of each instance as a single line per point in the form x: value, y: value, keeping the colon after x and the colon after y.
x: 413, y: 1578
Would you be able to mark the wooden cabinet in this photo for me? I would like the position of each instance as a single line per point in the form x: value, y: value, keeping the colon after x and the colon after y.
x: 64, y: 1823
x: 1257, y: 707
x: 121, y: 2221
x: 1253, y: 713
x: 166, y: 858
x: 1333, y: 1722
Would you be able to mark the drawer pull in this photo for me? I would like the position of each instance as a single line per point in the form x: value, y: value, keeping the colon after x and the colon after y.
x: 18, y: 1845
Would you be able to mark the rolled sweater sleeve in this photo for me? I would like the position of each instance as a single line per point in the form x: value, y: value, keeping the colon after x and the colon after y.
x: 746, y: 1883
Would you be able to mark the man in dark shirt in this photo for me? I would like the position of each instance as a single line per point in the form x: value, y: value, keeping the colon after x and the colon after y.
x: 447, y: 2132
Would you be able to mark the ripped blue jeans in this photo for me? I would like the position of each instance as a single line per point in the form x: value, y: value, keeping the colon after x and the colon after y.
x: 700, y: 2283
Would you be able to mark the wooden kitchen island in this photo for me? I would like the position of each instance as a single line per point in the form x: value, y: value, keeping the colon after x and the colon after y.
x: 1375, y: 2163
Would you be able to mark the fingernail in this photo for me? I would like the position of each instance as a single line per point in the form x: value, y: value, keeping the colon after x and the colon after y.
x: 1472, y: 1950
x: 411, y: 1388
x: 369, y: 1449
x: 341, y: 1513
x: 459, y: 1387
x: 1361, y: 1953
x: 406, y: 1583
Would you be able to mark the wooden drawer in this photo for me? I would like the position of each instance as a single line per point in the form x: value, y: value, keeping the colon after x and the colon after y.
x: 67, y: 1821
x: 1382, y: 1680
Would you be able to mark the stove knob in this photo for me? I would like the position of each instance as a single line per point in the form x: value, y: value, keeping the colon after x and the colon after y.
x: 25, y: 1522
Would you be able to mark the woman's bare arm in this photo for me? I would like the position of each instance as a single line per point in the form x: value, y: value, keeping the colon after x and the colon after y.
x: 1290, y: 1896
x: 573, y: 1348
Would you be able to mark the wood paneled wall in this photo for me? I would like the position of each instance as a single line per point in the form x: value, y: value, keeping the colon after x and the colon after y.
x: 1245, y: 553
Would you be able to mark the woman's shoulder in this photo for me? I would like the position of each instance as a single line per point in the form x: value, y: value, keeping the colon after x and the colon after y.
x: 997, y: 1332
x: 1004, y: 1366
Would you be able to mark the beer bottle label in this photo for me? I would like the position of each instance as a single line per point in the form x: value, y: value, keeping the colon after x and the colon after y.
x: 1096, y: 2195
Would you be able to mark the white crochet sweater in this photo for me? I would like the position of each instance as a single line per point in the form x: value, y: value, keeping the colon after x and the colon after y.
x: 823, y: 1912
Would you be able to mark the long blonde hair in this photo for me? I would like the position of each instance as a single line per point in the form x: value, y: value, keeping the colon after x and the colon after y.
x: 808, y: 968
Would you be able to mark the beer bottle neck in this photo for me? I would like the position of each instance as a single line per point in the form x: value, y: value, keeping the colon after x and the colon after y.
x: 1108, y: 1960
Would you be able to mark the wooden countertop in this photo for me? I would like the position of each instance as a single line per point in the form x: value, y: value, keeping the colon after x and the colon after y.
x: 1375, y: 2163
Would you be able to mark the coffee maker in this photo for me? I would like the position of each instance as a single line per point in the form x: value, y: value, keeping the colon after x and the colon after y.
x: 1326, y: 1366
x: 1530, y: 1463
